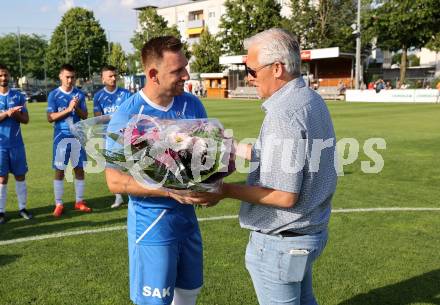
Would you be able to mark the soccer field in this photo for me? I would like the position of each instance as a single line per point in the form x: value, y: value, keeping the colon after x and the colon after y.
x: 382, y: 256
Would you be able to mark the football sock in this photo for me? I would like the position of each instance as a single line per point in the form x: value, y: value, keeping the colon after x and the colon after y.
x: 185, y: 296
x: 3, y: 194
x: 118, y: 198
x: 58, y: 188
x: 21, y: 190
x: 79, y: 190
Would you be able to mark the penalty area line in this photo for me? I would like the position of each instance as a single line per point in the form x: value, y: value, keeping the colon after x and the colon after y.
x: 214, y: 218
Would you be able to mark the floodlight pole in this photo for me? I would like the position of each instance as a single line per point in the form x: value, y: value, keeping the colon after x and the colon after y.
x: 45, y: 75
x: 65, y: 45
x: 358, y: 47
x: 19, y: 52
x: 88, y: 61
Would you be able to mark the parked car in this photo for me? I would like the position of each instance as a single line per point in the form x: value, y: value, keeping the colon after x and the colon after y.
x: 37, y: 96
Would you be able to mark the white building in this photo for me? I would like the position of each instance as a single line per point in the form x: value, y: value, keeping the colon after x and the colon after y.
x: 192, y: 16
x: 431, y: 59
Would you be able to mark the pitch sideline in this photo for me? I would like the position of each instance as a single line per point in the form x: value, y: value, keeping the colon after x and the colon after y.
x: 118, y: 228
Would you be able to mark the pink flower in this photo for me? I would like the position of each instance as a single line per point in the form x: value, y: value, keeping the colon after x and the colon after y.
x: 153, y: 135
x: 167, y: 159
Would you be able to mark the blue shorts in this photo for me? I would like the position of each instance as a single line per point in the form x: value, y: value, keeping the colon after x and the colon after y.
x: 65, y: 148
x: 157, y: 268
x: 13, y: 160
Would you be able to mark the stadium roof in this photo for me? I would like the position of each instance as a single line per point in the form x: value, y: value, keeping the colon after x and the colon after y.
x: 163, y: 3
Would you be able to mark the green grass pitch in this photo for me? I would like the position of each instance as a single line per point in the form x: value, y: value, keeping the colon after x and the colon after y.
x: 372, y: 258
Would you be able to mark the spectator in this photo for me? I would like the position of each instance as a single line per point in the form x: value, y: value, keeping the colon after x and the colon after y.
x: 341, y: 88
x: 371, y: 86
x: 404, y: 86
x: 380, y: 85
x: 388, y: 85
x: 202, y: 90
x: 197, y: 88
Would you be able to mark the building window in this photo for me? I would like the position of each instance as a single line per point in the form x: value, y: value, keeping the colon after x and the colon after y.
x: 195, y: 15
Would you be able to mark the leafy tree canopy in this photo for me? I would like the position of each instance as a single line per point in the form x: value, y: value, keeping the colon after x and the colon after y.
x: 78, y: 38
x: 207, y: 53
x: 33, y: 49
x: 402, y: 24
x: 118, y: 58
x: 244, y: 18
x: 153, y: 25
x: 323, y: 24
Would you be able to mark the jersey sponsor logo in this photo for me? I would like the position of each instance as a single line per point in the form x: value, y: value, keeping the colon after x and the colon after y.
x: 152, y: 292
x: 110, y: 109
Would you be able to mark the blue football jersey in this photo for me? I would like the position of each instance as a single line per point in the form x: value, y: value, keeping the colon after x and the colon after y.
x: 10, y: 131
x: 185, y: 106
x: 58, y: 101
x: 108, y: 102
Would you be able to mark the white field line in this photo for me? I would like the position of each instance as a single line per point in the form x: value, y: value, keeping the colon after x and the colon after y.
x: 118, y: 228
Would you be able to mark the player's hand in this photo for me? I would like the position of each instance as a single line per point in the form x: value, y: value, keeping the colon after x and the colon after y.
x: 204, y: 198
x: 180, y: 196
x: 73, y: 103
x: 13, y: 110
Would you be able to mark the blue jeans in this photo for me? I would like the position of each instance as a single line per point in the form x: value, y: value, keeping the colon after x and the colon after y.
x: 281, y: 267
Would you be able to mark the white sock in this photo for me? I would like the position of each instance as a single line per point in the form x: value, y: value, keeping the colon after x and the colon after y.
x: 21, y: 190
x: 185, y: 296
x: 3, y: 194
x: 118, y: 198
x: 79, y: 190
x: 58, y: 189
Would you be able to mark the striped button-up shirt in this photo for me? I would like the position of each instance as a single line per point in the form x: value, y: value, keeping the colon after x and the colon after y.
x: 295, y: 153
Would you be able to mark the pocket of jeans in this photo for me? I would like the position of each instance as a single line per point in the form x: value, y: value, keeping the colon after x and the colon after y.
x: 293, y: 265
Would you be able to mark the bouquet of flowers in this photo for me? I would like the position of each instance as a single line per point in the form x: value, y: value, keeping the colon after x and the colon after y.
x: 174, y: 154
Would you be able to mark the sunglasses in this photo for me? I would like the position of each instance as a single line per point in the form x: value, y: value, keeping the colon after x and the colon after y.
x: 253, y: 72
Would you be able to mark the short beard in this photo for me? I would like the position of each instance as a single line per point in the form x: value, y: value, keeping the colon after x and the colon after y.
x: 4, y: 84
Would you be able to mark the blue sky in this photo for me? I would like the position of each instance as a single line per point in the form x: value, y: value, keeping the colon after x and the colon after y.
x: 42, y: 16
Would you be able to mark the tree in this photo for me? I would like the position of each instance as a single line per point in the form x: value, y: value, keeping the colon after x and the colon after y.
x: 434, y: 43
x: 133, y: 64
x: 323, y: 24
x: 117, y: 58
x: 402, y: 24
x: 33, y: 49
x: 207, y: 53
x: 78, y: 40
x: 244, y: 18
x: 153, y: 25
x: 412, y: 60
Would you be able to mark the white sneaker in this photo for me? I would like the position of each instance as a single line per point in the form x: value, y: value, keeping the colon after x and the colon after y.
x: 117, y: 204
x: 118, y: 201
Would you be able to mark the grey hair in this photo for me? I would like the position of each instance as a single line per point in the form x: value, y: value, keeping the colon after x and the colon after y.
x: 277, y: 45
